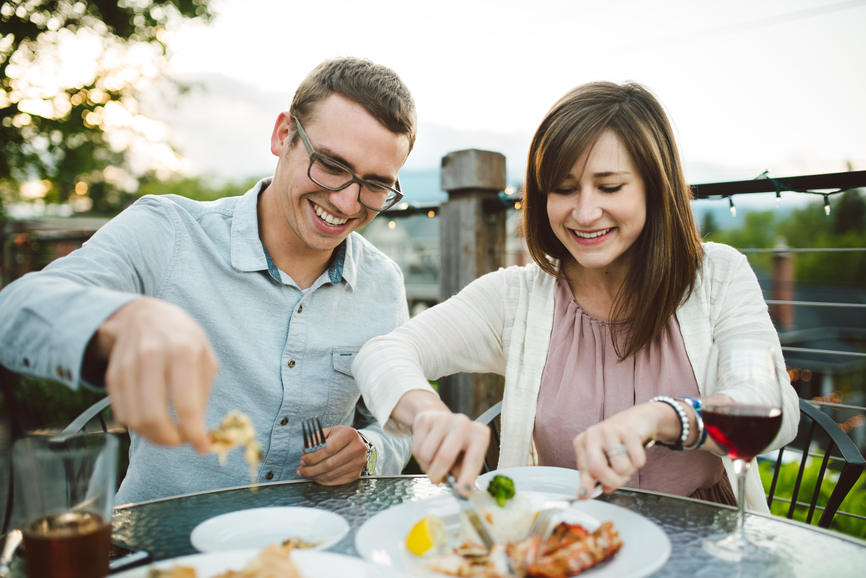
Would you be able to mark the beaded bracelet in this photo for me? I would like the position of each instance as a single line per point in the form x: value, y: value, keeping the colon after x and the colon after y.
x: 684, y: 422
x: 699, y: 422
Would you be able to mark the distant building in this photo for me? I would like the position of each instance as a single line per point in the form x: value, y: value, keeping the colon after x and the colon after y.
x: 413, y: 243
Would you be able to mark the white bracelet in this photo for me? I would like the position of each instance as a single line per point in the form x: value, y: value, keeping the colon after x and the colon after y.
x: 684, y: 422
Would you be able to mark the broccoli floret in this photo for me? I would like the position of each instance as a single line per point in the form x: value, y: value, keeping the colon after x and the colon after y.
x: 502, y: 489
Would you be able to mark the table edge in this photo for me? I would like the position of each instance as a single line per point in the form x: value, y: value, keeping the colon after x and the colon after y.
x: 248, y: 487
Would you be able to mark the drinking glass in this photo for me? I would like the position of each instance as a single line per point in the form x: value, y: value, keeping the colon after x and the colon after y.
x: 65, y: 491
x: 744, y: 370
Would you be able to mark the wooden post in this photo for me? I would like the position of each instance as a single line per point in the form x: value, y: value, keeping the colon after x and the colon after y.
x: 472, y: 243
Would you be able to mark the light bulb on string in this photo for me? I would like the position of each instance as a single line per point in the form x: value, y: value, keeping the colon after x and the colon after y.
x: 778, y: 197
x: 733, y: 208
x: 827, y: 205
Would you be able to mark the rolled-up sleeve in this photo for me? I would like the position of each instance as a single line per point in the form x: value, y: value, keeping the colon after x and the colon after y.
x: 48, y: 317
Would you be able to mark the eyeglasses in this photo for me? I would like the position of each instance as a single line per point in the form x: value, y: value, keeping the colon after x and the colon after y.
x: 335, y: 176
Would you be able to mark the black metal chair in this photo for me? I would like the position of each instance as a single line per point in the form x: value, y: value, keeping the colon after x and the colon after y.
x: 491, y: 418
x: 837, y: 447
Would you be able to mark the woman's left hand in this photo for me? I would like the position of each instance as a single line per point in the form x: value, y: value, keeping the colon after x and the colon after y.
x: 612, y: 450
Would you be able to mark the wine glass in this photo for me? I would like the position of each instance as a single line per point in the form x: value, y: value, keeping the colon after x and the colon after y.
x: 742, y: 370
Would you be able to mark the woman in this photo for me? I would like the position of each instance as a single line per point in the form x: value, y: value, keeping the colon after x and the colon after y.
x: 621, y: 306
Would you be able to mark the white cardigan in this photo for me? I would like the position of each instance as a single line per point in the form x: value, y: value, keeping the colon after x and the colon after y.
x: 501, y: 323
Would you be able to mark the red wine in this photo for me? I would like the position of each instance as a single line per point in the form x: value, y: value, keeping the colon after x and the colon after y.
x: 68, y: 545
x: 744, y: 431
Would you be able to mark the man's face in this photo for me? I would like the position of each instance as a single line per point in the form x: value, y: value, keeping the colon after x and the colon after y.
x: 312, y: 218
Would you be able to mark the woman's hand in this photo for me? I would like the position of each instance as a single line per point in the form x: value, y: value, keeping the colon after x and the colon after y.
x: 598, y: 452
x: 446, y: 443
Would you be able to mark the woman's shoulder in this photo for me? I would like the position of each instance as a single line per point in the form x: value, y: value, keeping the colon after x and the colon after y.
x: 717, y: 255
x: 527, y: 276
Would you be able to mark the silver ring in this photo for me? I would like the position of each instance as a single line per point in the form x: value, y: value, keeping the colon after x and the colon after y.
x: 619, y: 450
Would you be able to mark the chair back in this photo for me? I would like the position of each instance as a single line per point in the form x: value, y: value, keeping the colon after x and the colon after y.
x: 817, y: 429
x: 491, y: 418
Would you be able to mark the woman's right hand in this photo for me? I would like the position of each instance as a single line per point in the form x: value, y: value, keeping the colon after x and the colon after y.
x: 449, y: 443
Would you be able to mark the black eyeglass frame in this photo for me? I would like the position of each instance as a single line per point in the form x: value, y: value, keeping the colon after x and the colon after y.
x: 398, y: 194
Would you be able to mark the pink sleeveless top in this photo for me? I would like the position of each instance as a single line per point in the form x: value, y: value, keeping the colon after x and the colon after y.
x: 583, y: 383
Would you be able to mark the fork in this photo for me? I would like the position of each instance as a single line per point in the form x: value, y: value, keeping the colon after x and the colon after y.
x: 314, y: 436
x: 552, y: 511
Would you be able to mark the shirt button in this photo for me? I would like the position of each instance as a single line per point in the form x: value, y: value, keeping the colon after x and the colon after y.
x: 300, y: 308
x: 269, y: 476
x: 284, y: 421
x: 291, y: 363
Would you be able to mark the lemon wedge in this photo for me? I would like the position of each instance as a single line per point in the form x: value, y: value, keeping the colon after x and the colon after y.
x: 427, y: 537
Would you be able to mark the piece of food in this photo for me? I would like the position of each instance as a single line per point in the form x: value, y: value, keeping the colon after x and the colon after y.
x: 572, y: 558
x: 508, y: 523
x: 175, y: 572
x: 299, y: 543
x: 428, y: 537
x: 236, y: 430
x: 501, y: 489
x: 274, y: 561
x: 569, y: 550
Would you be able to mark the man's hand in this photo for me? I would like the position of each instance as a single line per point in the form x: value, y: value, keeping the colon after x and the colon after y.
x: 157, y: 354
x: 340, y: 462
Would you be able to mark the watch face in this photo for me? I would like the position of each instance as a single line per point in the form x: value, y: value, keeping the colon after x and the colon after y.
x: 371, y: 461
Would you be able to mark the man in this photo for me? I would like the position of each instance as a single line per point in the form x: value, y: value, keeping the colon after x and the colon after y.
x: 188, y: 310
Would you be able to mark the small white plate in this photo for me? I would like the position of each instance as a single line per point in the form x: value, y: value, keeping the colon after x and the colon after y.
x: 311, y: 564
x: 258, y: 527
x: 545, y: 479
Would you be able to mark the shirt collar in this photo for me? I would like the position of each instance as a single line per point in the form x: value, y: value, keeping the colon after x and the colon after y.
x: 249, y: 254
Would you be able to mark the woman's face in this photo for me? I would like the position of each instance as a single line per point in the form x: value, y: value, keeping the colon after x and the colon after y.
x: 599, y: 210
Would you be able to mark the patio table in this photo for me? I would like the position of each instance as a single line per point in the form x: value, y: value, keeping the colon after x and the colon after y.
x: 163, y: 527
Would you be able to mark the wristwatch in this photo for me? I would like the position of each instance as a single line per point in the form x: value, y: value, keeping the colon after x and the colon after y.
x: 372, y: 456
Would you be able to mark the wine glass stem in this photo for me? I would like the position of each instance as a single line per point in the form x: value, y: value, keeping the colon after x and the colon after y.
x: 741, y: 467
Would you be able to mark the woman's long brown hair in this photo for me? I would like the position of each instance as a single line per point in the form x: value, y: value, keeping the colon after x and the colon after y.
x: 666, y: 257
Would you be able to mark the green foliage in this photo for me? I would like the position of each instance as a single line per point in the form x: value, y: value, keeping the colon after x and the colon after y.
x: 809, y: 227
x: 854, y: 502
x: 47, y: 405
x: 194, y: 188
x: 57, y: 133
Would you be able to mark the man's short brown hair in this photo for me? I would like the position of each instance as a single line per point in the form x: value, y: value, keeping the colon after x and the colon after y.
x: 375, y: 87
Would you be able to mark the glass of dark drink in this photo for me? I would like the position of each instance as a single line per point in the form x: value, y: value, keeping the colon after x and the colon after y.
x: 744, y: 370
x: 64, y: 488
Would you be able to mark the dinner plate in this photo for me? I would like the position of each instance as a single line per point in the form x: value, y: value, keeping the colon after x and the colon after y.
x: 258, y: 527
x: 311, y: 564
x: 562, y: 481
x: 381, y: 539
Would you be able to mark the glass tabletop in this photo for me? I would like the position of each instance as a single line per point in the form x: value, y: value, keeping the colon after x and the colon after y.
x: 163, y: 527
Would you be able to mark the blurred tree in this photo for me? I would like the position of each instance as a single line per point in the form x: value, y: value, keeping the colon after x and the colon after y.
x: 69, y: 74
x: 850, y: 213
x: 708, y: 224
x: 194, y: 188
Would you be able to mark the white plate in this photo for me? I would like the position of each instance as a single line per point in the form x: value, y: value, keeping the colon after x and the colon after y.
x: 646, y: 548
x: 562, y: 481
x: 258, y: 527
x: 312, y: 564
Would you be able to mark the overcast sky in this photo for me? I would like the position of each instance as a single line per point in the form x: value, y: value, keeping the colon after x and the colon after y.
x: 750, y: 84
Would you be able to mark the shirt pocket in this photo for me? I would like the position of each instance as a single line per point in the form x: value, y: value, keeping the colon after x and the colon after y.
x: 343, y: 393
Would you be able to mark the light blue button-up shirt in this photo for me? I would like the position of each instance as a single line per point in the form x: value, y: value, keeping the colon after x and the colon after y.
x: 284, y: 354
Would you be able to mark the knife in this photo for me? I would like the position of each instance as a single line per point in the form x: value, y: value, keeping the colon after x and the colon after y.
x: 13, y: 539
x: 471, y: 513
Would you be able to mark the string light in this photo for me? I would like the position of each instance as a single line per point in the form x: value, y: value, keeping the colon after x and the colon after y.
x: 733, y: 208
x: 827, y: 205
x: 778, y: 197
